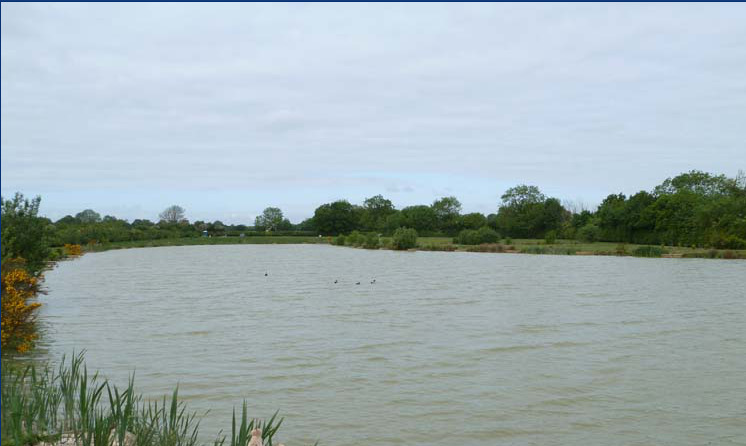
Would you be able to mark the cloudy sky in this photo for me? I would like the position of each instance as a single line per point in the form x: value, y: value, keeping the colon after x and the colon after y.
x: 229, y: 108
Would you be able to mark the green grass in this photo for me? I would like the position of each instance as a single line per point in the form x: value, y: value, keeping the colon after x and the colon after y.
x: 189, y: 241
x: 40, y: 403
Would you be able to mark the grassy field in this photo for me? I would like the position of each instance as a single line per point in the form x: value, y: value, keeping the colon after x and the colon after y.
x: 187, y: 241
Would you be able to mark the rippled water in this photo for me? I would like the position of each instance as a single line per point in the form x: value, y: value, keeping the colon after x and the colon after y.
x: 445, y: 348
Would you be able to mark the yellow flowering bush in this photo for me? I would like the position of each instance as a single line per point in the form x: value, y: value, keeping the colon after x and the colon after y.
x: 73, y: 250
x: 18, y: 287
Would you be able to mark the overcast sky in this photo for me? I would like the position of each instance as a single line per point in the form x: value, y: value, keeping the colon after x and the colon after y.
x: 226, y: 109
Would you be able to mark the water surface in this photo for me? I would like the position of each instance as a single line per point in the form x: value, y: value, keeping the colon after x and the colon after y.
x: 444, y: 348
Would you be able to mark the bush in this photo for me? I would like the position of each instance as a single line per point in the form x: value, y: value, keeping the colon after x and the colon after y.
x: 550, y: 237
x: 487, y: 235
x: 729, y: 242
x: 648, y: 251
x: 484, y: 234
x: 355, y: 238
x: 467, y: 237
x: 371, y: 241
x: 589, y: 233
x: 340, y: 240
x: 404, y: 238
x: 18, y: 312
x: 73, y: 250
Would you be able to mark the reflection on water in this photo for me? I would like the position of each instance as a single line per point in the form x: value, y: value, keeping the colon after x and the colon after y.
x: 476, y: 349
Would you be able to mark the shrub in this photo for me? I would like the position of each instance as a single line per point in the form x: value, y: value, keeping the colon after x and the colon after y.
x: 621, y: 249
x: 589, y: 233
x: 340, y: 240
x: 648, y: 251
x: 508, y: 241
x: 371, y: 241
x: 404, y: 238
x: 17, y: 288
x: 729, y: 242
x: 355, y: 238
x: 487, y: 235
x: 467, y: 237
x: 484, y: 234
x: 550, y: 237
x: 73, y: 250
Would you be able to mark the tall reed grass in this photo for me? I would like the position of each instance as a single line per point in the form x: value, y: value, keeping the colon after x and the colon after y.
x: 48, y: 405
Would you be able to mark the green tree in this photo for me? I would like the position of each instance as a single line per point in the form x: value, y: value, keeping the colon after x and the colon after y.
x: 24, y: 234
x: 474, y: 220
x: 447, y: 213
x: 88, y: 216
x: 421, y: 218
x: 173, y: 214
x: 339, y: 217
x: 374, y: 213
x: 526, y: 212
x: 270, y: 220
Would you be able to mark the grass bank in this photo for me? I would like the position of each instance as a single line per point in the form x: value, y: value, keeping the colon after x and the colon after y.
x: 574, y: 247
x: 43, y: 405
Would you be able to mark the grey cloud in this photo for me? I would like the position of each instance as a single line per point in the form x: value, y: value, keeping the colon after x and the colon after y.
x: 579, y: 99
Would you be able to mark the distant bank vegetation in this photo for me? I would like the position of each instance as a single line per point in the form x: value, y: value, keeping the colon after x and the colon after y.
x: 692, y: 209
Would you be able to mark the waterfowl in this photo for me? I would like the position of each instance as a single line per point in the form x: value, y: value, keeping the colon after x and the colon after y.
x: 357, y: 283
x: 335, y: 281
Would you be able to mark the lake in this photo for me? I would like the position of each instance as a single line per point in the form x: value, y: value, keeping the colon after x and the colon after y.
x: 443, y: 349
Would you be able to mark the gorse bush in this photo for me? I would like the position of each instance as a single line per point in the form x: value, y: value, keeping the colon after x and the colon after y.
x: 73, y: 250
x: 18, y: 312
x: 45, y: 404
x: 404, y: 238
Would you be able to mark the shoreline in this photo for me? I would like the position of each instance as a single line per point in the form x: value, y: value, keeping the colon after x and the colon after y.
x: 444, y: 244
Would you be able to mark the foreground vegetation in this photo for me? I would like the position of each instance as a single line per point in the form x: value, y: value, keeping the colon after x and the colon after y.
x: 50, y: 405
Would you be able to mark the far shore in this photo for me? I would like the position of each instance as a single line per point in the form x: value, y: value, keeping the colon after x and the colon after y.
x: 516, y: 246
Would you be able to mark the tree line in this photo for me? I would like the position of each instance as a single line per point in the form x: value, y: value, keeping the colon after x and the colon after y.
x: 691, y: 209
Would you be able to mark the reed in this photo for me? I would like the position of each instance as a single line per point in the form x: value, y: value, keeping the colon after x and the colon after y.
x: 42, y: 405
